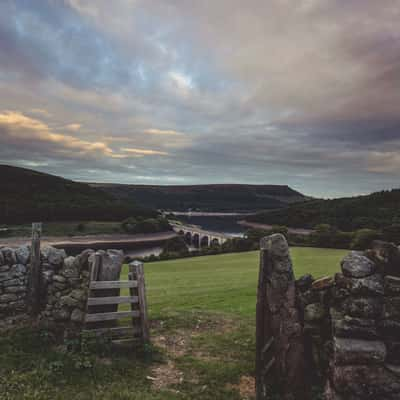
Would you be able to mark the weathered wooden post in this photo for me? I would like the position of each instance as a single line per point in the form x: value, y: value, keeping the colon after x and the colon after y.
x: 279, y: 333
x: 35, y: 271
x: 136, y: 271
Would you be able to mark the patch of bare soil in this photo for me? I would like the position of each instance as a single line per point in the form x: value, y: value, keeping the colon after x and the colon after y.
x: 246, y: 387
x: 175, y: 345
x: 165, y: 375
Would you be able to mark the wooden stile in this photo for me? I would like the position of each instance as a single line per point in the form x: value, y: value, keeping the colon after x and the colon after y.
x: 139, y: 328
x: 96, y: 301
x: 113, y: 284
x: 111, y: 316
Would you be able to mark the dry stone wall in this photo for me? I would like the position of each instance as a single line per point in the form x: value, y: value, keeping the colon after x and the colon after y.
x: 13, y: 285
x: 64, y: 286
x: 352, y: 326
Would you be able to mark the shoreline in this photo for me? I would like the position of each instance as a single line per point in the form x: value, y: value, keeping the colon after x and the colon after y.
x: 77, y: 243
x: 297, y: 231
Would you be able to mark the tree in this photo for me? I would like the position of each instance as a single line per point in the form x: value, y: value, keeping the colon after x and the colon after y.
x: 363, y: 238
x: 256, y: 234
x: 391, y: 233
x: 175, y: 245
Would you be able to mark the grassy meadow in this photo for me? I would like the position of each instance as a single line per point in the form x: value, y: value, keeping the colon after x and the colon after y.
x: 202, y: 325
x: 224, y: 283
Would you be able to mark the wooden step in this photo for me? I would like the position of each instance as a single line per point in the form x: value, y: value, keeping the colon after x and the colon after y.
x: 111, y: 316
x: 120, y: 332
x: 95, y: 301
x: 112, y: 284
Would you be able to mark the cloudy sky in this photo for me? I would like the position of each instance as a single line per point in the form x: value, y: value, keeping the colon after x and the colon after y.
x: 297, y: 92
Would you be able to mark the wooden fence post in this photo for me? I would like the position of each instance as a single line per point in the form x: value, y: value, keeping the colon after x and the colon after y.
x: 136, y: 268
x: 35, y: 271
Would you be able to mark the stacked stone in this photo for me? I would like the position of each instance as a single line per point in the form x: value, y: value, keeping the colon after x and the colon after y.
x: 358, y: 369
x: 13, y: 285
x: 390, y: 324
x: 66, y: 287
x: 314, y: 297
x: 387, y: 257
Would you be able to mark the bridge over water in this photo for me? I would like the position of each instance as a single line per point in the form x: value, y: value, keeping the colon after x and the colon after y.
x: 197, y: 237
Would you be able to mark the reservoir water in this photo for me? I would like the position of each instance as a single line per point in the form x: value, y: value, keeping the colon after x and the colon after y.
x: 217, y: 222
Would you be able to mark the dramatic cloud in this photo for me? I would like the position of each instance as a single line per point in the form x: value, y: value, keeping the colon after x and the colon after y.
x: 303, y: 93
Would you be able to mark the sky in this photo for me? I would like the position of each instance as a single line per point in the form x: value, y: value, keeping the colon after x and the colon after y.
x: 304, y: 93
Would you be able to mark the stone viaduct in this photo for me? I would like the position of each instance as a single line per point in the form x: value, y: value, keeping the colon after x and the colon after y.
x: 198, y: 237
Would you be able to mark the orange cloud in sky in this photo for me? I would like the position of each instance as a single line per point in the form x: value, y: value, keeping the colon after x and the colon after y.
x: 16, y: 125
x: 162, y: 132
x: 19, y: 126
x: 144, y: 152
x: 73, y: 127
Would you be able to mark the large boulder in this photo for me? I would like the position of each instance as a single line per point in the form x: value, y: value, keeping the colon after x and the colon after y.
x: 369, y: 286
x: 23, y: 254
x: 392, y: 285
x: 70, y: 269
x: 314, y: 312
x: 82, y: 259
x: 77, y: 315
x: 53, y: 256
x: 304, y: 282
x: 366, y: 382
x: 363, y: 307
x: 61, y: 314
x: 356, y: 265
x: 358, y: 351
x: 391, y: 308
x: 9, y: 256
x: 354, y: 328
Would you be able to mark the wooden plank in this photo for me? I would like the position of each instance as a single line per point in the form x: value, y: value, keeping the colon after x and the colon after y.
x: 35, y: 271
x: 119, y: 332
x: 111, y: 316
x: 94, y: 301
x: 268, y: 345
x: 136, y: 268
x: 112, y: 284
x: 268, y: 366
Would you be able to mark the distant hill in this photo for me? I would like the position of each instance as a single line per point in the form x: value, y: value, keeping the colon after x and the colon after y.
x: 222, y: 197
x: 27, y: 195
x: 375, y: 210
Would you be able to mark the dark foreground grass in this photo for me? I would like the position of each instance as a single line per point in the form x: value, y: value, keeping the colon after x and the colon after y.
x: 202, y: 311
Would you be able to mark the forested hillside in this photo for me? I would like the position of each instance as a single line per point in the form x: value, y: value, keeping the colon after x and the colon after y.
x: 375, y: 211
x: 27, y: 195
x: 223, y: 197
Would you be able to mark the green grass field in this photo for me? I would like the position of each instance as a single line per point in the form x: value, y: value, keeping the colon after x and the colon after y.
x: 223, y: 283
x: 203, y: 338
